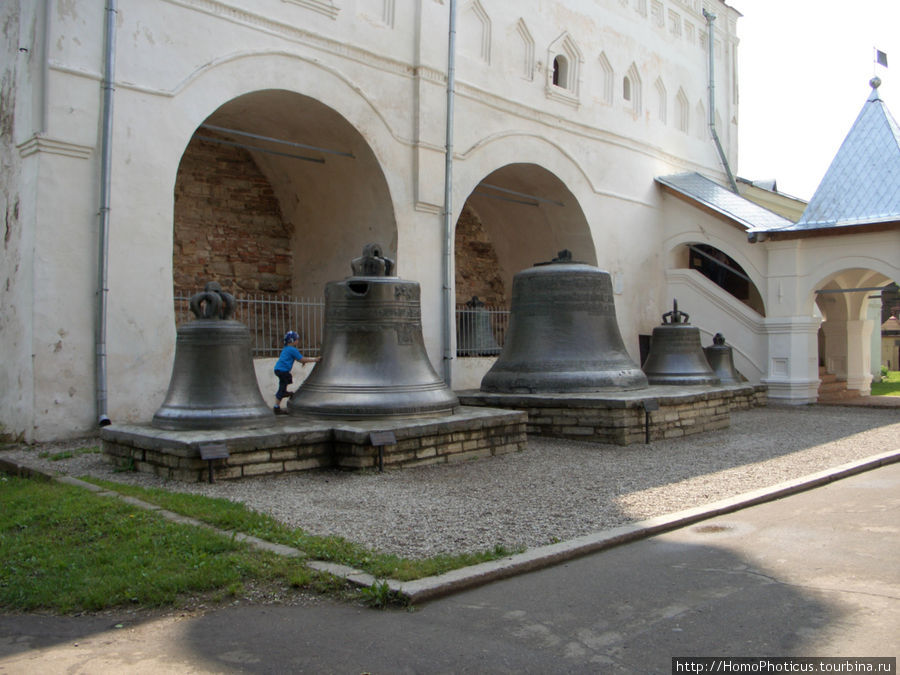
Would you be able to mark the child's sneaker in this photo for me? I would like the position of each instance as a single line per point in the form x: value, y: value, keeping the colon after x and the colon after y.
x: 280, y: 411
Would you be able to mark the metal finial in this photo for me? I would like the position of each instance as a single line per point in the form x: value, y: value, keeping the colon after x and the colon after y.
x: 875, y: 82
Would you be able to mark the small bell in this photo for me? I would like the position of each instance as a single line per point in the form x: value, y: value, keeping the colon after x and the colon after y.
x: 213, y: 384
x: 676, y: 356
x: 721, y: 359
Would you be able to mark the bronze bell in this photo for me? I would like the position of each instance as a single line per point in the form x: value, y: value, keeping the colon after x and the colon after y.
x: 213, y: 384
x: 563, y: 335
x: 676, y: 356
x: 721, y: 359
x: 373, y: 362
x: 475, y: 336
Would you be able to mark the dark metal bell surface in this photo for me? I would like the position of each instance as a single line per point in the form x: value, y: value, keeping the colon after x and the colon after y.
x: 563, y: 336
x: 676, y: 356
x: 213, y: 384
x: 475, y: 336
x: 721, y: 359
x: 374, y: 362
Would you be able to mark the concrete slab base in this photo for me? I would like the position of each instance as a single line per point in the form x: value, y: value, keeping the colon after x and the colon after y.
x: 295, y: 444
x: 626, y: 417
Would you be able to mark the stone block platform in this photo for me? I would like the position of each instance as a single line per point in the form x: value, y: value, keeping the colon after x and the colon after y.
x: 298, y: 444
x: 621, y: 417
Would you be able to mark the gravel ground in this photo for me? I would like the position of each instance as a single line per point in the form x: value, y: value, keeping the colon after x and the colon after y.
x: 554, y: 490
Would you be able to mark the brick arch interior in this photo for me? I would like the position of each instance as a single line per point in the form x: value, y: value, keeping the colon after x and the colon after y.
x: 228, y: 224
x: 282, y: 216
x: 477, y: 266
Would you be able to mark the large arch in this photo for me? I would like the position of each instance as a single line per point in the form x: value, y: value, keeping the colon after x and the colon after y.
x: 332, y: 196
x: 526, y: 214
x: 272, y: 93
x: 849, y: 338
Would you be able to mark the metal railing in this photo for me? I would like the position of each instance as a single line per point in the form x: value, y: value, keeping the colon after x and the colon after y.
x: 480, y: 331
x: 268, y: 318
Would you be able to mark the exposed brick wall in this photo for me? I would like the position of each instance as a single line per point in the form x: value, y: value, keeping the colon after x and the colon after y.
x: 228, y: 224
x: 477, y: 265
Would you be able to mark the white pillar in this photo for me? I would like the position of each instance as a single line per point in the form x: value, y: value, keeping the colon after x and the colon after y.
x: 859, y: 355
x: 835, y: 332
x: 873, y: 314
x: 792, y: 376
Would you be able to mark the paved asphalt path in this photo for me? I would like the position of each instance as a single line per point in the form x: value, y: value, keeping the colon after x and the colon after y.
x: 813, y: 574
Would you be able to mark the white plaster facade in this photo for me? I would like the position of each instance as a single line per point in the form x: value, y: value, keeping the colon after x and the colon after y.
x: 368, y: 77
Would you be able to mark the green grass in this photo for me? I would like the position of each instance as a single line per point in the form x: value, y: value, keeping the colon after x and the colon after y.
x: 228, y: 515
x: 889, y: 385
x: 69, y: 454
x: 65, y: 549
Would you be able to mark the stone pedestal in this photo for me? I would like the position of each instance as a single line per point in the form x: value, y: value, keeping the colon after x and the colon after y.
x: 295, y: 444
x: 622, y: 418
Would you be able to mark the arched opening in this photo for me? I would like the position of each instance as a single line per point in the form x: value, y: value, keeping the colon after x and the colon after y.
x: 518, y: 215
x: 725, y: 272
x: 852, y: 348
x: 626, y: 89
x: 262, y: 207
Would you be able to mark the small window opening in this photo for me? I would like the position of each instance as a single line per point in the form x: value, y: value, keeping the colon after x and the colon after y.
x: 626, y: 89
x: 559, y: 71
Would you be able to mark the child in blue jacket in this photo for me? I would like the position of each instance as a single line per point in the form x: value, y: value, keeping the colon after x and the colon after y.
x: 283, y: 367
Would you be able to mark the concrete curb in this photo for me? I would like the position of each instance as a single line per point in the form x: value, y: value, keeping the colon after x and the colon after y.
x: 546, y: 556
x: 458, y: 580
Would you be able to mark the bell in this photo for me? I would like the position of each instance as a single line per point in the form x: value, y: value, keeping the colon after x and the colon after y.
x: 676, y: 356
x: 213, y: 384
x: 563, y: 335
x: 373, y: 362
x: 475, y: 336
x: 721, y: 359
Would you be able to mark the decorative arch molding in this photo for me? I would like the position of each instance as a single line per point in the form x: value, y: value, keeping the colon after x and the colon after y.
x: 525, y: 54
x: 476, y: 23
x: 607, y: 80
x: 700, y: 126
x: 682, y: 112
x: 216, y: 83
x: 498, y: 150
x: 750, y: 266
x: 326, y: 7
x: 632, y: 91
x: 564, y: 60
x: 662, y: 104
x: 857, y: 272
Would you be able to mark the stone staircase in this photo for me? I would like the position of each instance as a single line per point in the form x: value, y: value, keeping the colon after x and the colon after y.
x: 833, y: 390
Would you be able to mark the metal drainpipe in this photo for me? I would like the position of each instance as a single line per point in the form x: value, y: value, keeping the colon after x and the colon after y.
x: 447, y: 267
x: 710, y: 17
x: 105, y: 174
x: 45, y: 67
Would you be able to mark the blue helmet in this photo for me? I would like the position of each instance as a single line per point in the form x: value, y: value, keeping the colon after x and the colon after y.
x: 291, y: 336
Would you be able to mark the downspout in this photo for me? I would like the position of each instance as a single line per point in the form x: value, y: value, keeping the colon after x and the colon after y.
x: 105, y: 174
x: 45, y: 70
x: 447, y: 266
x: 710, y: 17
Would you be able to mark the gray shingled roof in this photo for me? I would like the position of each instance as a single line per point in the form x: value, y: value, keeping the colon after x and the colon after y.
x: 862, y: 185
x: 710, y: 194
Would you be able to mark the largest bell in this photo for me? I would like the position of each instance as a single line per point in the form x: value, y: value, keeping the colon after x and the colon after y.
x: 373, y: 361
x: 213, y: 384
x: 676, y: 356
x: 563, y: 335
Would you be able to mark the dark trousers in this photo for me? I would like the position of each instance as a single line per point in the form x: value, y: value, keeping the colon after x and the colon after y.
x: 284, y: 379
